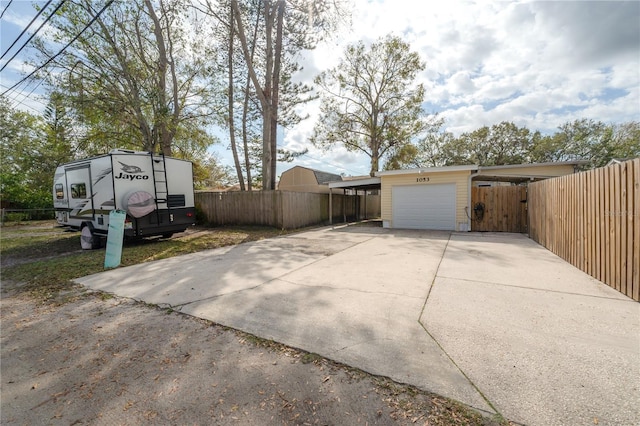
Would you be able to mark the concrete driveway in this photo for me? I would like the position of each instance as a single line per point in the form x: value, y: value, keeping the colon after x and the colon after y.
x: 492, y: 320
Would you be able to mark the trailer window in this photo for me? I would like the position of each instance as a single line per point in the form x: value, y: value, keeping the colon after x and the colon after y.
x: 78, y: 190
x: 59, y: 191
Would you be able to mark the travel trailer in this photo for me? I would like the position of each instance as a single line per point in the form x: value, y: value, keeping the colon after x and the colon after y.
x: 155, y: 191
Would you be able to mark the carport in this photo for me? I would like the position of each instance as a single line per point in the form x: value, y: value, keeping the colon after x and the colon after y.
x: 498, y: 194
x: 441, y: 198
x: 368, y: 184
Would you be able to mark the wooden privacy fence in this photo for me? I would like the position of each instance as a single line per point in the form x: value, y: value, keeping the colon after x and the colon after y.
x: 283, y: 209
x: 499, y: 209
x: 592, y: 220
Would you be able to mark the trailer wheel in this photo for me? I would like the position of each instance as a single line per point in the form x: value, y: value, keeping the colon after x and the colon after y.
x: 89, y: 240
x: 167, y: 235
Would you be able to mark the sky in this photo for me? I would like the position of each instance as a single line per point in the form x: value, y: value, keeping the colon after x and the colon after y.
x: 538, y: 64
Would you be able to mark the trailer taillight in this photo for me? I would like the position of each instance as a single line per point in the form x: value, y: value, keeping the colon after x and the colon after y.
x: 189, y: 214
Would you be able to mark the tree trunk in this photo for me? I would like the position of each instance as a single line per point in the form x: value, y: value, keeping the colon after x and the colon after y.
x: 260, y: 92
x: 160, y: 109
x: 245, y: 111
x: 267, y: 154
x: 245, y: 142
x: 167, y: 146
x: 375, y: 160
x: 277, y: 60
x: 232, y: 128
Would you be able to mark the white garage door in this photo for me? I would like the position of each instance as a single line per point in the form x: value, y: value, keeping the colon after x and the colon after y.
x: 424, y: 206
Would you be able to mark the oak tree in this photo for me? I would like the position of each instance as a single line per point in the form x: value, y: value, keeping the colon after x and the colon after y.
x: 371, y: 102
x: 135, y: 77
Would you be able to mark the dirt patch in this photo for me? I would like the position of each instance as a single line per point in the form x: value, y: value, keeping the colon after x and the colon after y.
x: 103, y: 360
x: 80, y: 357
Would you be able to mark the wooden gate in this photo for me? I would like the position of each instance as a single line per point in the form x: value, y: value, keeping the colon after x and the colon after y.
x: 499, y: 209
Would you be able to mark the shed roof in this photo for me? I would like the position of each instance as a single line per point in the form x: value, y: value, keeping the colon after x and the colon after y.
x: 324, y: 178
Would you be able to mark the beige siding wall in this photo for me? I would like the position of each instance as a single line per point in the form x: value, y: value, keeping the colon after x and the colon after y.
x: 460, y: 178
x: 543, y: 171
x: 299, y: 179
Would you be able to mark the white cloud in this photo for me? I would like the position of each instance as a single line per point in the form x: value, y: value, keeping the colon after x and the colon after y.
x: 539, y: 64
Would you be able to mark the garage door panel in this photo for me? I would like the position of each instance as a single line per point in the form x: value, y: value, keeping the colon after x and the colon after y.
x: 424, y: 206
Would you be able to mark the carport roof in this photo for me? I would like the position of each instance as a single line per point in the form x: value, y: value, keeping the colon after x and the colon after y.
x: 429, y: 170
x: 520, y: 171
x: 476, y: 168
x: 527, y: 165
x: 362, y: 184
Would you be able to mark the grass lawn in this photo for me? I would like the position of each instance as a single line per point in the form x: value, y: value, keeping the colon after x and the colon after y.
x: 45, y: 258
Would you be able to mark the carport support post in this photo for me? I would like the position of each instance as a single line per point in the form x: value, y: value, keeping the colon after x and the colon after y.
x: 365, y: 204
x: 470, y: 208
x: 330, y: 206
x: 344, y: 205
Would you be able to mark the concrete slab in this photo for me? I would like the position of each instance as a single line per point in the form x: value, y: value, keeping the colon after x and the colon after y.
x: 361, y: 307
x: 184, y: 279
x: 516, y: 260
x: 352, y: 294
x: 547, y: 344
x: 505, y: 318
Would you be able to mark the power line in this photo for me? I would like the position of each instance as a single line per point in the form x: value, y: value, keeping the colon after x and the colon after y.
x: 17, y: 94
x: 24, y: 30
x: 32, y: 35
x: 28, y: 96
x: 62, y: 50
x: 15, y: 101
x: 5, y: 9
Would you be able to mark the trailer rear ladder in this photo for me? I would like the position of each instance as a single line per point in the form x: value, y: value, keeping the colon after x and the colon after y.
x: 159, y: 167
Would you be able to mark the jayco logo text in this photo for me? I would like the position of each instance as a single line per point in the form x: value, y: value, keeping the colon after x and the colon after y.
x: 131, y: 177
x: 131, y: 172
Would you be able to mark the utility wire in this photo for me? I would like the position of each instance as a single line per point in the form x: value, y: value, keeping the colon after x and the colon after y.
x: 34, y: 34
x: 62, y: 50
x: 24, y: 30
x: 28, y: 96
x: 5, y: 9
x: 22, y: 102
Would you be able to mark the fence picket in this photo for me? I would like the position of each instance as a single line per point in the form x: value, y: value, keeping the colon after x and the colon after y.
x: 592, y: 220
x: 602, y: 225
x: 622, y: 223
x: 281, y: 209
x: 630, y: 224
x: 636, y: 230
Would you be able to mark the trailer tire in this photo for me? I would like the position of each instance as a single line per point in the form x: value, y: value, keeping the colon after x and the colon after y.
x: 89, y: 240
x: 167, y: 235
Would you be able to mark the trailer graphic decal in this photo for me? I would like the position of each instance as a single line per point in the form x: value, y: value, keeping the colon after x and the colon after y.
x: 79, y: 212
x: 130, y: 169
x: 102, y: 175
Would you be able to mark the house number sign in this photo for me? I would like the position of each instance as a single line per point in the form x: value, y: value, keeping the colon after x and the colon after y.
x: 422, y: 179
